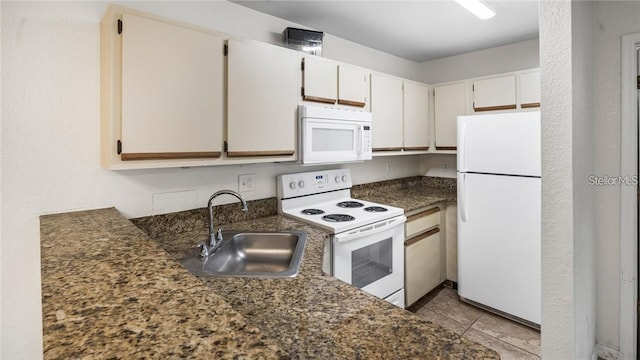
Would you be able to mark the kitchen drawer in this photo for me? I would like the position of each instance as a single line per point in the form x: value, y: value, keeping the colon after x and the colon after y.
x: 423, y: 271
x: 422, y: 221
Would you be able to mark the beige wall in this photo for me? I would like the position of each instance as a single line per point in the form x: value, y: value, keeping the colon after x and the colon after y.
x: 513, y: 57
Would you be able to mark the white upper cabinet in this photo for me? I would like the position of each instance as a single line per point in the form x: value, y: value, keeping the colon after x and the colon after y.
x: 416, y: 116
x: 449, y: 103
x: 172, y: 91
x: 262, y: 98
x: 319, y: 80
x: 386, y: 107
x: 496, y: 93
x: 330, y: 82
x: 161, y: 92
x: 353, y: 85
x: 529, y: 89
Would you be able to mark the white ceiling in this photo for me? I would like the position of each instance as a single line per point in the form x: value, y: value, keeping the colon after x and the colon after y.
x: 418, y: 30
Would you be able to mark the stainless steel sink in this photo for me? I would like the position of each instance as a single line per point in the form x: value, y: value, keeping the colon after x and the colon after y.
x: 252, y: 254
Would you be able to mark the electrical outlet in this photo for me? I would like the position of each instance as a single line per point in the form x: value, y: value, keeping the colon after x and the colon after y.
x: 445, y: 165
x: 246, y: 182
x: 388, y: 168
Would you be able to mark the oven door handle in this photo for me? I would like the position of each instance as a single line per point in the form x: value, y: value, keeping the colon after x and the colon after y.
x: 369, y: 230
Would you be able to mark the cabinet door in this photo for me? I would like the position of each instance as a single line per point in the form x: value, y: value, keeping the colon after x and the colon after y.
x: 529, y: 89
x: 416, y: 116
x: 422, y: 221
x: 449, y: 103
x: 319, y: 80
x: 353, y: 86
x: 262, y: 100
x: 422, y: 265
x: 497, y: 93
x: 386, y: 107
x: 172, y: 87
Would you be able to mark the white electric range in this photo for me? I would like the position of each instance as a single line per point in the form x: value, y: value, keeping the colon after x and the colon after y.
x: 366, y: 246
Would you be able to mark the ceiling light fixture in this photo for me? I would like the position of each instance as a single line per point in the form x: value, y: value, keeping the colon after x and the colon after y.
x: 477, y: 8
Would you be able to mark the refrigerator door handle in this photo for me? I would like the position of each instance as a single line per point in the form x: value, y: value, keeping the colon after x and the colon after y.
x: 461, y: 146
x: 461, y: 199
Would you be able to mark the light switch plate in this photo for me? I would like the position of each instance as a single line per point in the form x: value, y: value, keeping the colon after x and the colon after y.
x: 246, y: 182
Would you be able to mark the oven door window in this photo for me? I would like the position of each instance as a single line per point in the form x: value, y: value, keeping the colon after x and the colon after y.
x: 372, y: 263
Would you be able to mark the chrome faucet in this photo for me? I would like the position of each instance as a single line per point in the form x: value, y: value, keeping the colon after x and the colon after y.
x: 215, y: 236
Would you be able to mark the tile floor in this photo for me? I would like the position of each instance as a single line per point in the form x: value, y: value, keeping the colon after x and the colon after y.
x: 508, y: 338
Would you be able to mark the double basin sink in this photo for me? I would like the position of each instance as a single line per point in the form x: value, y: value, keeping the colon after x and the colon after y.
x: 251, y: 254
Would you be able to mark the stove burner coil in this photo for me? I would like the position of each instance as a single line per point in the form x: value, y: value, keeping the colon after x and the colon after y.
x: 312, y: 212
x: 350, y: 204
x: 375, y: 209
x: 338, y: 217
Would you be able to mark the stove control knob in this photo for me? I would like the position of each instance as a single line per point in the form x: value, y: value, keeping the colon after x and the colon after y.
x: 301, y: 184
x: 337, y: 179
x: 344, y: 178
x: 292, y: 185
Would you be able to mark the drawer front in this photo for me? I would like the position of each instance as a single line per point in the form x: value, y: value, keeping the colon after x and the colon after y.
x: 422, y: 266
x: 421, y: 221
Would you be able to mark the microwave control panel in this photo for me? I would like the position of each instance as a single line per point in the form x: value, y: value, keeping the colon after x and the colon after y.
x: 366, y: 139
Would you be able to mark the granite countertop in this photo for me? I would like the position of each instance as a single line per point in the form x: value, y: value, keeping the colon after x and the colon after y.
x: 111, y: 291
x: 410, y: 194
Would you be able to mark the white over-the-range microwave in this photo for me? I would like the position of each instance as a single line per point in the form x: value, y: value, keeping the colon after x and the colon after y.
x: 330, y: 135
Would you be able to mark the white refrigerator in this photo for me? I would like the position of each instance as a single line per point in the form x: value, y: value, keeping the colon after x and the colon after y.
x: 499, y: 216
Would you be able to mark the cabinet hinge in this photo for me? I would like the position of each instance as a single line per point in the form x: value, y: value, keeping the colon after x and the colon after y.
x: 225, y: 49
x: 638, y: 81
x: 225, y: 146
x: 119, y: 26
x: 473, y: 87
x: 302, y: 65
x: 119, y: 147
x: 302, y: 91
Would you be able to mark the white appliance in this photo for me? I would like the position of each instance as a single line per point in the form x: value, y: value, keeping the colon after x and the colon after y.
x: 366, y: 246
x: 499, y: 220
x: 333, y: 135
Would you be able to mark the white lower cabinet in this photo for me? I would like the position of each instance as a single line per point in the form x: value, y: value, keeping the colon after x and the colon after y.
x: 424, y: 264
x: 451, y: 231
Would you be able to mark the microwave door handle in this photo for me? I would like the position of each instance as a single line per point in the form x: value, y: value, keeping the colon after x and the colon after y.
x: 370, y: 230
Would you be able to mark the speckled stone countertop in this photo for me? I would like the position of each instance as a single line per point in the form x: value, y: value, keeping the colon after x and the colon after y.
x: 318, y: 316
x: 409, y: 194
x: 111, y: 291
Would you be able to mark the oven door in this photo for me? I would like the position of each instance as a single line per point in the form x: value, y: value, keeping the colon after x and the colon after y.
x: 372, y: 257
x: 334, y: 141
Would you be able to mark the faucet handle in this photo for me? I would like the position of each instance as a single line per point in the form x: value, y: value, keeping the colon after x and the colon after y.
x: 204, y: 249
x: 219, y: 234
